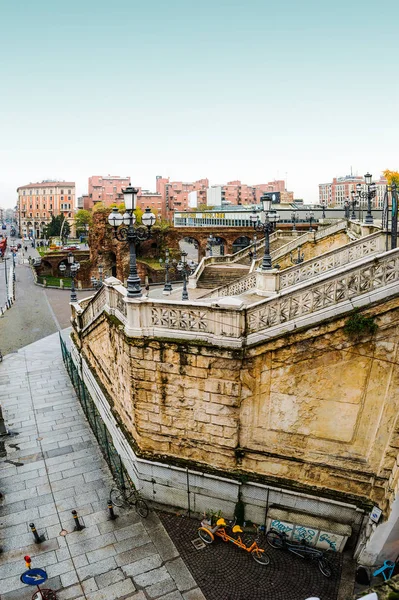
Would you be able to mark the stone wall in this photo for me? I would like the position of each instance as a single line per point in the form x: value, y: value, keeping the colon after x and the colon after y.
x: 313, y: 249
x: 312, y: 411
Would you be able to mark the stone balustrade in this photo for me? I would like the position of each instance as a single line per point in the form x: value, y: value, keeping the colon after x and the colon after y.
x: 228, y: 322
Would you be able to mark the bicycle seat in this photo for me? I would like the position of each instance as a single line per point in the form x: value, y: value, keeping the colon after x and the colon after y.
x: 237, y: 529
x: 221, y: 523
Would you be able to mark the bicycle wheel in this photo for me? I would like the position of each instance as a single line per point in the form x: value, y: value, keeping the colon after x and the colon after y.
x: 325, y: 567
x: 273, y: 539
x: 117, y: 497
x: 141, y: 508
x: 205, y: 535
x: 47, y: 594
x: 260, y: 556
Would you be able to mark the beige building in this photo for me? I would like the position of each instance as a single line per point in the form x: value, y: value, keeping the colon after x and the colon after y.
x: 38, y: 202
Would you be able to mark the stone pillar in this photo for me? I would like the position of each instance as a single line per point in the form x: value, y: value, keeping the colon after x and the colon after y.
x: 267, y: 282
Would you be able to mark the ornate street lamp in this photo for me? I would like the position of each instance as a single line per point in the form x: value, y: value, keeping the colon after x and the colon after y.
x: 211, y: 241
x: 294, y: 218
x: 367, y: 195
x: 168, y: 285
x: 185, y: 269
x: 267, y: 226
x: 354, y: 204
x: 124, y: 231
x: 299, y: 258
x: 323, y: 207
x: 73, y: 269
x: 310, y: 216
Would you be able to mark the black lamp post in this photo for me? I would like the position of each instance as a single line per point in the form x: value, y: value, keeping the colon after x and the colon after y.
x: 294, y: 218
x: 132, y: 235
x: 310, y: 216
x: 323, y: 207
x: 168, y: 285
x: 73, y: 269
x: 394, y: 214
x: 369, y: 194
x: 211, y: 241
x: 299, y: 258
x: 184, y: 268
x: 346, y: 208
x: 354, y: 204
x: 267, y: 226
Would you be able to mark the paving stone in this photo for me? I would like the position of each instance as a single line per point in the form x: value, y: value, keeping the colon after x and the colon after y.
x: 161, y: 588
x: 101, y: 553
x: 132, y: 542
x: 81, y: 547
x: 70, y: 593
x: 176, y: 595
x: 180, y: 573
x: 108, y: 578
x: 89, y: 585
x: 116, y: 590
x: 97, y: 568
x: 194, y: 594
x: 138, y: 596
x: 135, y: 554
x: 143, y: 565
x: 155, y: 576
x: 80, y: 561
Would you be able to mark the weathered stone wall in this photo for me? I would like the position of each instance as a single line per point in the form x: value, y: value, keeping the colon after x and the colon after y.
x: 313, y: 249
x: 314, y: 410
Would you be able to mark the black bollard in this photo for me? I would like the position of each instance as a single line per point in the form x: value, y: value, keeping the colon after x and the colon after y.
x: 112, y: 515
x: 38, y: 538
x: 78, y: 525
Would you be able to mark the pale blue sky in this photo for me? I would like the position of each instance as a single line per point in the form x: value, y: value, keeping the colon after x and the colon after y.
x: 228, y: 90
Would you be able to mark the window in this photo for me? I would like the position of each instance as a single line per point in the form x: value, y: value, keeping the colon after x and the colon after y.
x: 51, y: 198
x: 24, y: 192
x: 62, y: 191
x: 30, y: 192
x: 51, y: 191
x: 69, y: 197
x: 62, y: 197
x: 69, y: 191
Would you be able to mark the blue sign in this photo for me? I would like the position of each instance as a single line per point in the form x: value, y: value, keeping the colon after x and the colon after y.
x: 34, y: 577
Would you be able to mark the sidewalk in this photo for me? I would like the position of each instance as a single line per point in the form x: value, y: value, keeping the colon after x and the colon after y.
x: 53, y: 466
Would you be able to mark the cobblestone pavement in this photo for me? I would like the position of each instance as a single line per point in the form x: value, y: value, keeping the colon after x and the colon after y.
x: 224, y: 572
x: 54, y: 465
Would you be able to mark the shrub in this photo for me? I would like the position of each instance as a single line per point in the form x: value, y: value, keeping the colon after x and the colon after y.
x: 358, y: 325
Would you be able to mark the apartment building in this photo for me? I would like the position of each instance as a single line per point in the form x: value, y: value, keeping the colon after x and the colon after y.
x: 38, y: 202
x: 235, y: 193
x: 339, y: 190
x: 175, y: 194
x: 107, y: 190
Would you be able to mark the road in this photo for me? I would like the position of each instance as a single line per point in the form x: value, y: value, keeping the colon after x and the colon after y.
x: 36, y: 313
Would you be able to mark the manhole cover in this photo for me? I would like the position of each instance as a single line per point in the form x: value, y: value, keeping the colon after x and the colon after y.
x: 198, y: 544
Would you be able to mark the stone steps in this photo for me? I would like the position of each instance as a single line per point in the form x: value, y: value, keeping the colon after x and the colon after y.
x: 213, y: 277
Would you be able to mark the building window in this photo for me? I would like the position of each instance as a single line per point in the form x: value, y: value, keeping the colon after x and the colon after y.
x: 69, y: 197
x: 51, y: 198
x: 62, y: 197
x: 62, y: 191
x: 69, y: 191
x: 23, y: 192
x: 30, y: 192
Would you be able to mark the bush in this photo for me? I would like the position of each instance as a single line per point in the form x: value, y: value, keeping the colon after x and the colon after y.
x: 358, y: 325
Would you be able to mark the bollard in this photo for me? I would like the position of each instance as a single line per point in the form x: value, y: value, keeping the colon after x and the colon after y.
x: 112, y: 515
x: 38, y: 538
x: 78, y: 525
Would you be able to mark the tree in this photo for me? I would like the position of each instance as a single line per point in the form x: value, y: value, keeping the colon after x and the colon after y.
x: 392, y: 177
x: 82, y: 218
x: 53, y: 229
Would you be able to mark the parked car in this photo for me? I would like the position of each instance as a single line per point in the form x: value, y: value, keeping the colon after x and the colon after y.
x: 73, y: 247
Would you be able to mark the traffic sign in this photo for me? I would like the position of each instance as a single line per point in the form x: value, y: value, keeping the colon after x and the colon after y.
x: 34, y: 577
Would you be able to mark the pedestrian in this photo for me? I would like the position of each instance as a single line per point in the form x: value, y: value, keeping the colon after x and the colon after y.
x: 26, y: 248
x: 147, y: 290
x: 251, y: 255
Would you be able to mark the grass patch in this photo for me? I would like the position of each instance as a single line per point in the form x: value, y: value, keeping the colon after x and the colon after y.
x: 151, y: 262
x: 55, y: 281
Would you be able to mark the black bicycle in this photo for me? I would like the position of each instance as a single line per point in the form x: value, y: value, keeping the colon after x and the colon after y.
x: 129, y: 497
x: 279, y: 540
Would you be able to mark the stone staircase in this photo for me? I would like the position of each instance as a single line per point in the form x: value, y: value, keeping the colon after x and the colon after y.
x: 216, y: 275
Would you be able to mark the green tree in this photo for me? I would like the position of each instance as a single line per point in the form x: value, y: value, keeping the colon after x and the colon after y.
x: 82, y: 218
x: 53, y: 229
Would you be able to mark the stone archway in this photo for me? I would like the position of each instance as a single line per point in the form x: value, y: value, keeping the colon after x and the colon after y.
x: 191, y: 246
x: 219, y: 247
x: 240, y: 243
x: 46, y: 268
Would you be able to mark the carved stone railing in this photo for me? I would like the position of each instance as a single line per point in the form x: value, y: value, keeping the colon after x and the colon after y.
x: 232, y: 324
x: 376, y: 277
x: 332, y: 260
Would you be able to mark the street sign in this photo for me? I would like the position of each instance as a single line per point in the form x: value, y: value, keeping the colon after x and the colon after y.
x: 34, y: 577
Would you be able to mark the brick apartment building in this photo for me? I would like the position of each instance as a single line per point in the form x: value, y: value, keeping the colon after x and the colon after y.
x: 339, y: 190
x: 237, y: 193
x: 107, y: 190
x: 176, y: 194
x: 38, y: 202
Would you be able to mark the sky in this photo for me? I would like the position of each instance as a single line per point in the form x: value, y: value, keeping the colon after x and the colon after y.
x: 254, y: 90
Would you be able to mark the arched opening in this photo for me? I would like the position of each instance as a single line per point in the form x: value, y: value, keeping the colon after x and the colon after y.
x: 217, y: 247
x: 108, y: 261
x: 241, y: 243
x: 191, y: 246
x: 46, y: 268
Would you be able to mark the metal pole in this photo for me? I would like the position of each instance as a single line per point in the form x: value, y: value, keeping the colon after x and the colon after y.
x: 267, y: 259
x: 255, y: 240
x: 133, y: 281
x: 369, y: 216
x: 394, y: 225
x: 184, y: 295
x: 74, y: 297
x: 267, y: 508
x: 188, y: 493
